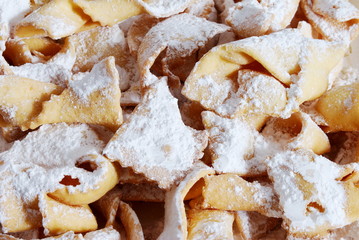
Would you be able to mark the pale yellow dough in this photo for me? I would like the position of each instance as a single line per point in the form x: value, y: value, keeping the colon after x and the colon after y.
x: 304, y: 133
x: 340, y: 108
x: 21, y: 99
x: 110, y: 12
x: 233, y: 193
x: 298, y: 62
x: 60, y: 218
x: 15, y: 215
x: 108, y: 181
x: 56, y: 19
x: 30, y: 50
x: 210, y: 224
x: 96, y: 44
x: 101, y: 107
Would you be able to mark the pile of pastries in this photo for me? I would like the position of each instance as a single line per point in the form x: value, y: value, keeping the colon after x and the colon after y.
x: 186, y: 119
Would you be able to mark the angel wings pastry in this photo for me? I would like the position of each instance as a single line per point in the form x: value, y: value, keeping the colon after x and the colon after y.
x: 179, y: 120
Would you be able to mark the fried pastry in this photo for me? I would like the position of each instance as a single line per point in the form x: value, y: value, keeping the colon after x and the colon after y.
x: 294, y: 64
x: 21, y: 98
x: 59, y: 218
x: 210, y: 224
x: 152, y: 139
x: 252, y: 18
x: 108, y: 13
x: 340, y: 101
x: 175, y: 226
x: 334, y: 20
x: 175, y: 42
x: 56, y: 19
x: 316, y: 195
x: 87, y: 99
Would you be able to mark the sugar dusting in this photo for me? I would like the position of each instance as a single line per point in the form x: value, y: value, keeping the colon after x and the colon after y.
x: 58, y: 148
x: 50, y: 73
x: 154, y: 138
x: 107, y: 233
x: 347, y: 76
x: 164, y: 8
x: 328, y: 192
x: 281, y: 53
x: 58, y: 25
x: 99, y: 78
x: 335, y: 20
x: 255, y: 18
x: 239, y: 148
x: 12, y: 11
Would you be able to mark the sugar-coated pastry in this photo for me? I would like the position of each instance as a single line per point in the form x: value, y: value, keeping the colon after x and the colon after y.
x: 156, y: 124
x: 287, y: 55
x: 56, y: 19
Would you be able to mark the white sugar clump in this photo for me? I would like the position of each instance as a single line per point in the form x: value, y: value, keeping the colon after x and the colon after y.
x: 154, y: 140
x: 41, y: 160
x: 280, y: 53
x: 12, y: 11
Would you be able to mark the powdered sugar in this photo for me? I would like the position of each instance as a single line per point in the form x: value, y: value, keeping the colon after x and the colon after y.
x: 12, y: 11
x: 10, y: 112
x: 58, y: 148
x: 239, y: 148
x: 51, y: 73
x: 210, y: 224
x: 175, y: 226
x: 203, y: 8
x: 265, y: 197
x: 99, y: 78
x: 347, y: 76
x: 284, y: 169
x: 231, y: 141
x: 336, y: 9
x: 153, y: 139
x: 56, y: 19
x: 65, y: 59
x: 164, y: 8
x: 287, y: 55
x: 214, y: 88
x: 253, y: 18
x: 93, y: 45
x: 309, y: 108
x: 335, y: 20
x: 107, y: 233
x: 252, y: 96
x: 253, y: 225
x: 70, y: 235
